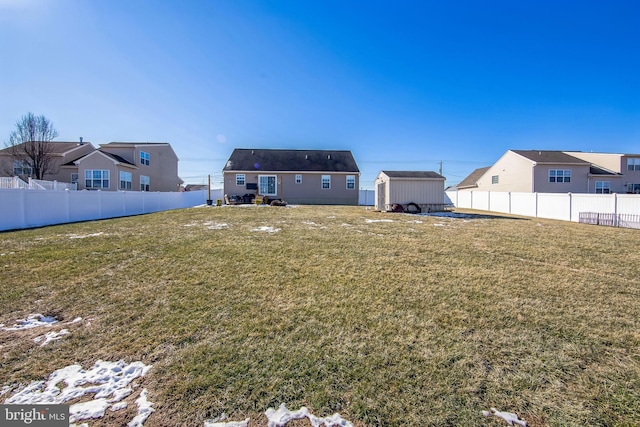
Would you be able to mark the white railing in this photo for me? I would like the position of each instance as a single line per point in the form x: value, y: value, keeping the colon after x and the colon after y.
x: 35, y: 184
x: 54, y: 185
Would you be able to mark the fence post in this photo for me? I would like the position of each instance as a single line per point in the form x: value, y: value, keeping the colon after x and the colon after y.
x: 615, y: 209
x: 570, y: 206
x: 509, y: 200
x: 536, y: 203
x: 489, y: 201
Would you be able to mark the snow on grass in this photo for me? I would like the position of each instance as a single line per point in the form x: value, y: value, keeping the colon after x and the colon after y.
x: 32, y: 321
x: 282, y: 416
x: 106, y: 382
x: 50, y: 336
x: 266, y: 229
x: 83, y: 236
x: 220, y: 422
x: 377, y: 220
x: 509, y: 417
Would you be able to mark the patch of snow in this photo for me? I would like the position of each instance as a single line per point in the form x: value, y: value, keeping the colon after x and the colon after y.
x: 266, y: 229
x: 144, y: 410
x: 217, y: 226
x: 107, y: 382
x: 83, y: 236
x: 33, y: 321
x: 509, y: 417
x: 76, y: 320
x: 377, y: 220
x: 219, y: 422
x: 438, y: 225
x: 119, y: 406
x: 415, y: 221
x: 345, y: 225
x: 50, y: 336
x: 282, y: 416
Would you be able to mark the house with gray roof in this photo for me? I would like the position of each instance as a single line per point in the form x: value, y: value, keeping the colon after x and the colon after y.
x: 327, y: 177
x: 545, y: 171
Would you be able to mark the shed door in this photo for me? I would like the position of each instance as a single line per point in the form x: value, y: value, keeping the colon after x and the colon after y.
x: 380, y: 202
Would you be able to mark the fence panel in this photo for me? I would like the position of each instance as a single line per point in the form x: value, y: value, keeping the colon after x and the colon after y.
x: 523, y: 204
x: 500, y: 202
x: 35, y: 208
x: 554, y: 206
x: 628, y: 203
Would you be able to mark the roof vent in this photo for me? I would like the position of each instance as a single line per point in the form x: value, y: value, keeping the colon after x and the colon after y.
x: 329, y: 156
x: 253, y: 152
x: 81, y: 141
x: 306, y: 157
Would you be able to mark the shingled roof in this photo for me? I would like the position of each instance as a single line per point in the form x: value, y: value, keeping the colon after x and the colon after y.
x: 273, y: 160
x: 472, y: 179
x: 413, y: 174
x: 542, y: 156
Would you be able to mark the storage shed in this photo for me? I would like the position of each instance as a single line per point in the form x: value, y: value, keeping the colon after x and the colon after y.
x: 414, y: 191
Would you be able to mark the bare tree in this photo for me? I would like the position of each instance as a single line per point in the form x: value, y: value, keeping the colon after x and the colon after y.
x: 31, y: 144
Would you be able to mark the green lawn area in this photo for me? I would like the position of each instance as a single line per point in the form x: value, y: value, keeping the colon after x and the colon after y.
x: 388, y: 319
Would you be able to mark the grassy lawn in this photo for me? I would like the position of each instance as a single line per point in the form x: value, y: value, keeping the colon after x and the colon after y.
x: 409, y: 321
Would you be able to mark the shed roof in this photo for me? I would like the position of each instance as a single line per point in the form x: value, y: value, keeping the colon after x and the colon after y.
x: 413, y: 174
x: 246, y: 159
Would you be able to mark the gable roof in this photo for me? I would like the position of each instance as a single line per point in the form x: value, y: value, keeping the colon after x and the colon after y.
x: 57, y: 147
x: 137, y: 144
x: 113, y: 157
x: 472, y: 179
x: 413, y: 174
x: 273, y: 160
x: 542, y: 156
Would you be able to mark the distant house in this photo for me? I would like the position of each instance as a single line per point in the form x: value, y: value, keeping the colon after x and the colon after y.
x: 129, y: 166
x: 544, y: 171
x: 327, y: 177
x: 417, y: 190
x: 62, y: 153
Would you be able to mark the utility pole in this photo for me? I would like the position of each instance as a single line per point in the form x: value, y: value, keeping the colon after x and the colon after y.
x: 440, y: 170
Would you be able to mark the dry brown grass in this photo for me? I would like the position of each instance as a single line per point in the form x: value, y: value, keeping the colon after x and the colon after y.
x: 418, y: 321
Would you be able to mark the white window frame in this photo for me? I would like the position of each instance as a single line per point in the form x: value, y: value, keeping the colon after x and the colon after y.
x: 603, y: 187
x: 559, y: 175
x: 264, y: 184
x: 633, y: 164
x: 633, y: 188
x: 145, y: 158
x: 145, y: 183
x: 92, y: 176
x: 298, y: 178
x: 74, y: 178
x: 240, y: 179
x: 351, y: 182
x: 325, y: 182
x: 22, y: 167
x: 126, y: 180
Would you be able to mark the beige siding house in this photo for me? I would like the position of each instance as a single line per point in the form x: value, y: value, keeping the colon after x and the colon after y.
x: 62, y: 153
x: 327, y: 177
x: 543, y: 171
x: 424, y: 190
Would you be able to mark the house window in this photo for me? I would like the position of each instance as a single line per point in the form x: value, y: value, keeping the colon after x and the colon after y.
x: 494, y: 179
x: 144, y: 158
x: 633, y: 188
x: 144, y: 183
x: 326, y: 182
x: 239, y: 179
x: 267, y: 185
x: 125, y: 180
x: 74, y: 178
x: 298, y: 179
x: 94, y: 178
x: 603, y: 187
x: 559, y: 175
x: 633, y: 164
x: 22, y: 167
x: 351, y: 182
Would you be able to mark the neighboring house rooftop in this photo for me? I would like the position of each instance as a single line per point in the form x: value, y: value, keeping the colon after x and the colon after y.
x: 413, y: 174
x: 244, y: 159
x: 598, y: 170
x: 57, y: 147
x: 542, y: 156
x: 472, y: 179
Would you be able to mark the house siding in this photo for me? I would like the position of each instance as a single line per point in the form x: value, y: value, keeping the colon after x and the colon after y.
x: 514, y: 174
x: 309, y: 191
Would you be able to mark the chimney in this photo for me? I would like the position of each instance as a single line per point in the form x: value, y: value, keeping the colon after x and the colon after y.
x: 81, y: 141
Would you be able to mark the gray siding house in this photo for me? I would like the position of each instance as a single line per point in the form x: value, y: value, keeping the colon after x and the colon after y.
x: 319, y: 177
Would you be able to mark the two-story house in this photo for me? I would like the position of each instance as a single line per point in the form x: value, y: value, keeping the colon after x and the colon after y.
x: 329, y: 177
x: 544, y: 171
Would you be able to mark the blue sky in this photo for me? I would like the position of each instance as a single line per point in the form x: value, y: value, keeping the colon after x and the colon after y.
x: 404, y: 85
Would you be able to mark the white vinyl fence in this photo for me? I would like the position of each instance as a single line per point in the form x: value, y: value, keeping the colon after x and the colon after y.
x: 562, y: 206
x: 23, y: 208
